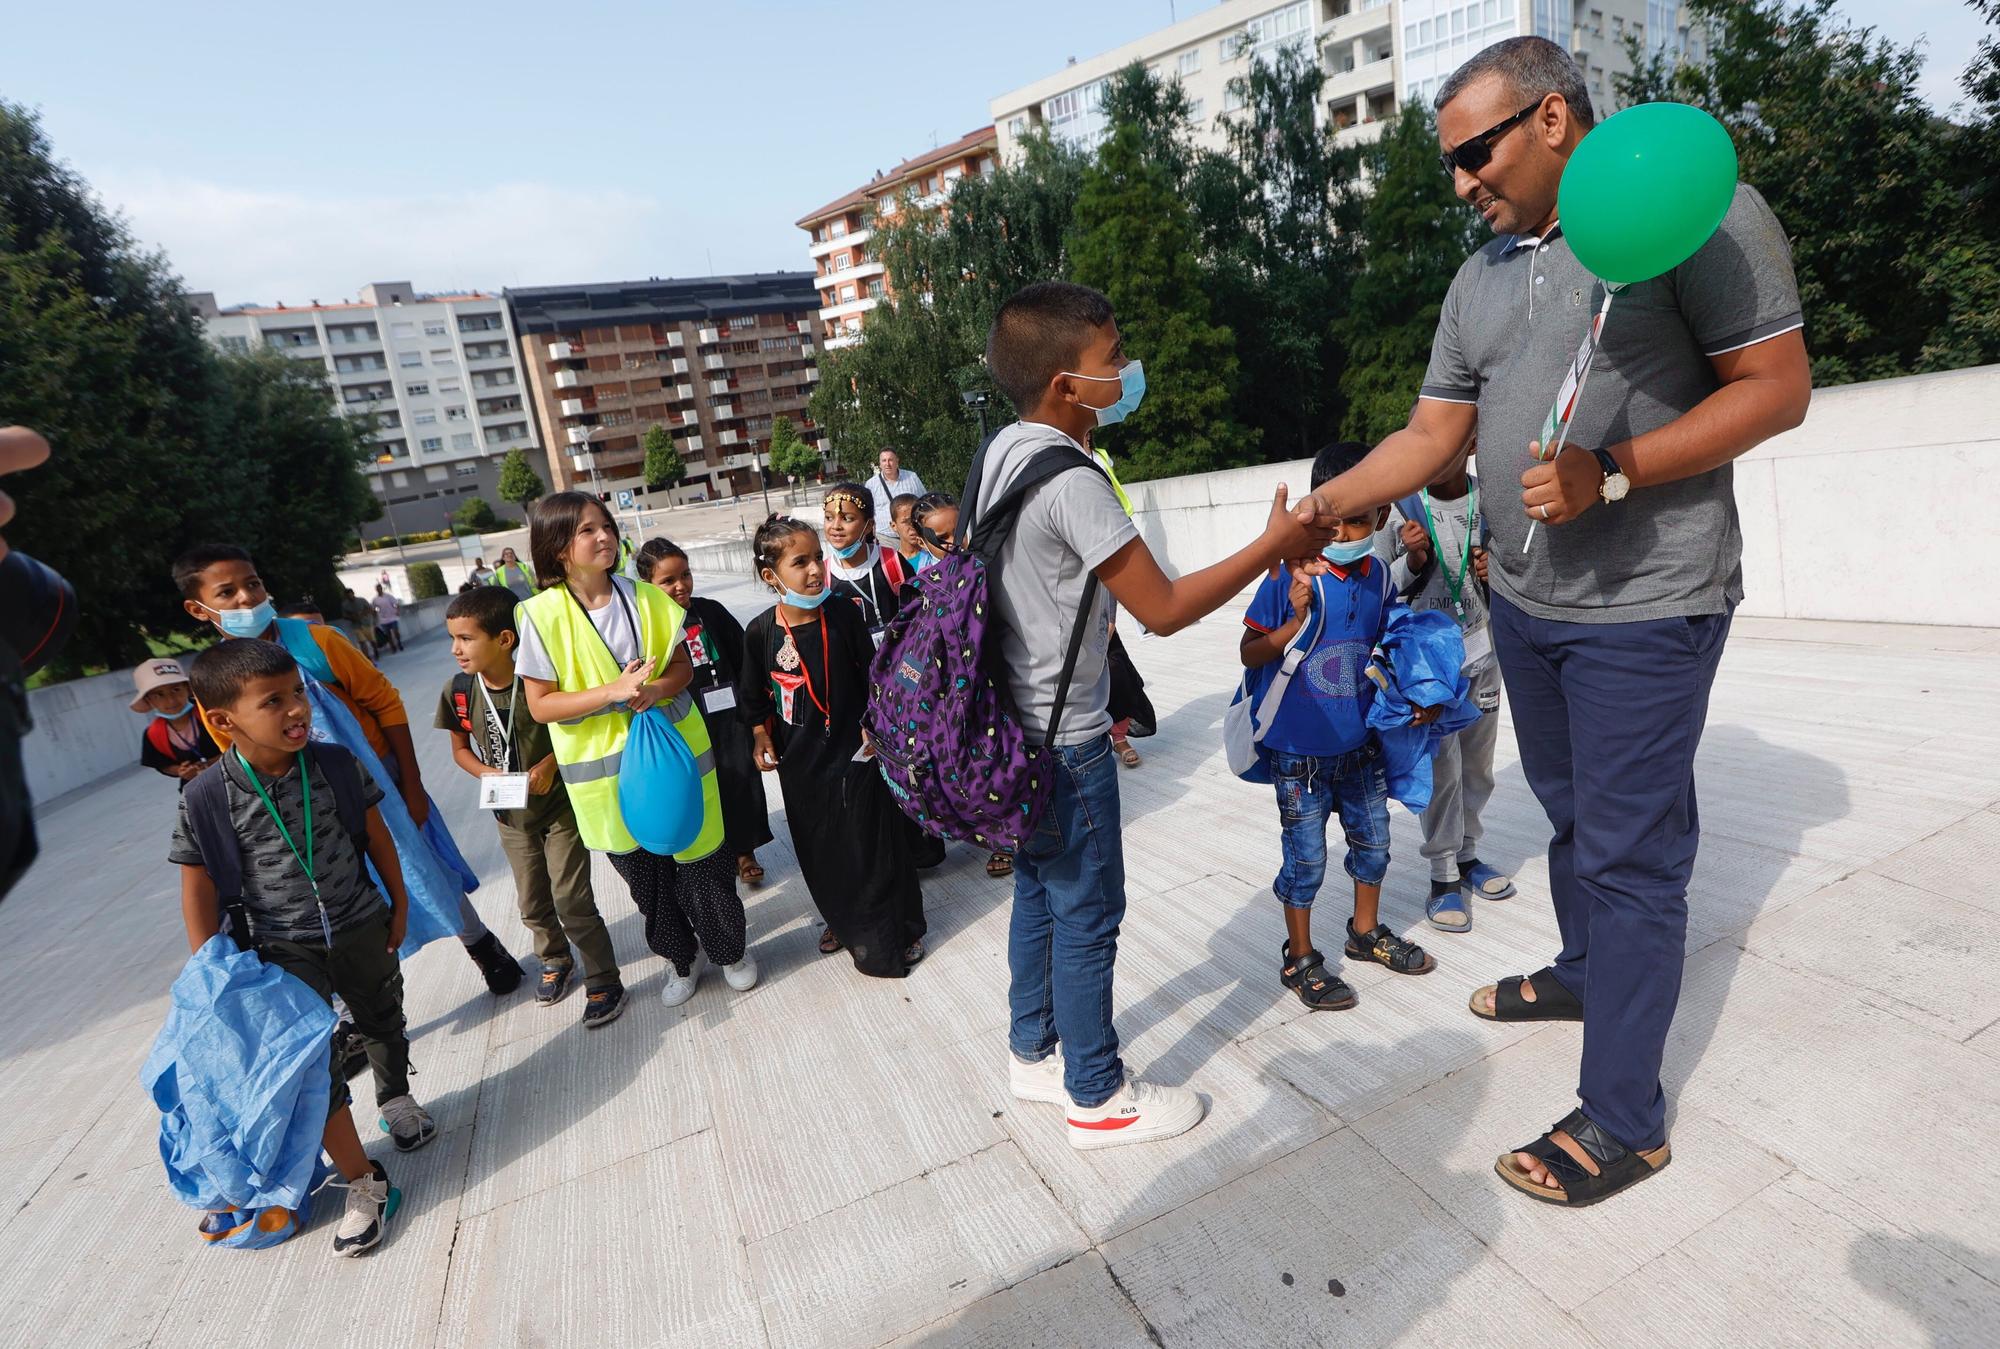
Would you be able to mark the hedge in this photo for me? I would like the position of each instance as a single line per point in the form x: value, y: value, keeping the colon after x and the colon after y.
x: 426, y: 581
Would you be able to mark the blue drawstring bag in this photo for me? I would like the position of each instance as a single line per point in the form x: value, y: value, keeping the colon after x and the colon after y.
x: 659, y: 786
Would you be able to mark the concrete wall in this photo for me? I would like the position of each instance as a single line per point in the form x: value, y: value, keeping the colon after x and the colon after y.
x: 1875, y: 509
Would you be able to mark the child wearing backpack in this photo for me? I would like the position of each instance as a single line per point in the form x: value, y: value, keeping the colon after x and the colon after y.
x: 591, y: 643
x: 1440, y: 563
x: 858, y: 567
x: 1323, y: 757
x: 714, y: 642
x: 497, y: 744
x: 219, y: 585
x: 273, y: 837
x: 805, y: 663
x: 1044, y: 536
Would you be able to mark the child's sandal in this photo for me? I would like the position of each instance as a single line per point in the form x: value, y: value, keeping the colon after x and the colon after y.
x: 1388, y: 950
x: 1308, y: 978
x: 829, y: 941
x: 1000, y: 864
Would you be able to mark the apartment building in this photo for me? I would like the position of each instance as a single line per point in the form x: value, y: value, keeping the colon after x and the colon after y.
x: 1376, y: 54
x: 851, y: 280
x: 437, y: 375
x: 714, y: 359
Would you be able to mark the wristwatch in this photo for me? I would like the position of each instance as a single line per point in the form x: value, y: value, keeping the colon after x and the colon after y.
x: 1615, y: 484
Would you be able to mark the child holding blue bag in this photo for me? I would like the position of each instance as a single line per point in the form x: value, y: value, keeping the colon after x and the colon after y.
x: 591, y: 641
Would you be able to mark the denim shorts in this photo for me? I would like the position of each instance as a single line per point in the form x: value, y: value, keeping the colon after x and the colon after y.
x: 1311, y: 788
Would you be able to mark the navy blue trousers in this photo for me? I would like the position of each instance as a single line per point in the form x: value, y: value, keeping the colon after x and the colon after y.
x: 1609, y: 716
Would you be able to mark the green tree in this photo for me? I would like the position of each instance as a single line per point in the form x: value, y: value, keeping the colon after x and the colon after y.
x: 1415, y: 235
x: 664, y: 466
x: 1865, y: 179
x: 791, y: 453
x: 1135, y: 240
x: 518, y: 482
x: 476, y: 513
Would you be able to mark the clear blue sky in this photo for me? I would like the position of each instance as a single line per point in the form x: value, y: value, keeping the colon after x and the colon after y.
x: 295, y: 151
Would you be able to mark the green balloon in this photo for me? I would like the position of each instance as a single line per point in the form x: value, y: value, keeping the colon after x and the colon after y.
x: 1645, y: 189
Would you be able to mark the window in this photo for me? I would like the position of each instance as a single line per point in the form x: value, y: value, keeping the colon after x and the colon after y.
x: 403, y: 479
x: 417, y: 390
x: 838, y: 230
x: 1228, y: 47
x: 1189, y: 62
x: 423, y: 418
x: 847, y: 292
x: 430, y: 445
x: 449, y: 384
x: 843, y: 262
x: 407, y: 359
x: 403, y: 329
x: 875, y: 288
x: 236, y: 346
x: 1232, y: 97
x: 466, y: 469
x: 1018, y: 127
x: 464, y: 440
x: 436, y: 473
x: 441, y: 356
x: 455, y: 413
x: 433, y: 328
x: 1196, y: 107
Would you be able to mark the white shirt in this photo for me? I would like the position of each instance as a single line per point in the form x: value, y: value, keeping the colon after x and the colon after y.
x: 905, y: 483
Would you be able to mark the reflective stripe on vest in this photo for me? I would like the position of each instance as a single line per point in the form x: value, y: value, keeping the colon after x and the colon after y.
x: 589, y: 749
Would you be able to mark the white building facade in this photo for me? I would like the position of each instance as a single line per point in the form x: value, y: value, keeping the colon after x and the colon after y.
x: 439, y: 375
x: 1376, y: 54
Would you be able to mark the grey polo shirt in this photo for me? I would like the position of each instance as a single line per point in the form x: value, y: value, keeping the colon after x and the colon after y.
x: 1507, y: 333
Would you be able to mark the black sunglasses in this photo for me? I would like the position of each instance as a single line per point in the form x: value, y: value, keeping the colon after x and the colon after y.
x: 1476, y: 152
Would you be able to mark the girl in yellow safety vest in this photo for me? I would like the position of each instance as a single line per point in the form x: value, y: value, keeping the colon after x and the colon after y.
x: 597, y: 648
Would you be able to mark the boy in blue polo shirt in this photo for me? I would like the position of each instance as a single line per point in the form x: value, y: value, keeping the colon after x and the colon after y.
x: 1323, y: 757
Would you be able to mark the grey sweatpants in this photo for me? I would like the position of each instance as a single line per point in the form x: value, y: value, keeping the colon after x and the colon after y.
x: 1461, y: 785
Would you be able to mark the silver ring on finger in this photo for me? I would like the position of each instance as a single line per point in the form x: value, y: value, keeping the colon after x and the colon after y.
x: 1545, y: 510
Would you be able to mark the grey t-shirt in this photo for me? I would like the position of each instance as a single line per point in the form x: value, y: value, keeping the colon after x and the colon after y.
x: 1068, y: 527
x: 276, y: 894
x: 1506, y: 336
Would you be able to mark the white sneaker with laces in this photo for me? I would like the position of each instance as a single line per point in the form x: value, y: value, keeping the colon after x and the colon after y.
x: 679, y: 987
x: 742, y: 976
x: 408, y: 1124
x: 1038, y: 1081
x: 365, y: 1219
x: 1141, y: 1112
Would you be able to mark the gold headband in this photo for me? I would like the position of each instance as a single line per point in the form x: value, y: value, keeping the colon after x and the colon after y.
x: 834, y: 498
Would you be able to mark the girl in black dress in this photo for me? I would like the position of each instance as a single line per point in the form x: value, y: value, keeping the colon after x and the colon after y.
x: 859, y: 568
x: 713, y: 640
x: 805, y: 669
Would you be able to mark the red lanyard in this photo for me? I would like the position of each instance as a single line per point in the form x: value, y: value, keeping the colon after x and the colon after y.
x: 825, y: 663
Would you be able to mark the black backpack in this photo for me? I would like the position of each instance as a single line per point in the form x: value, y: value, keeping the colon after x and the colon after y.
x: 207, y: 800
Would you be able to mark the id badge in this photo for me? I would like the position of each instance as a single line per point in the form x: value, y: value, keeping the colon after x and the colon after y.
x: 503, y: 791
x: 1478, y: 648
x: 718, y: 699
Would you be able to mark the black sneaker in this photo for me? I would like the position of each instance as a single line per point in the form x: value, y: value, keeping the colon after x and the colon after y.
x: 350, y: 1050
x: 602, y: 1006
x: 553, y: 986
x: 502, y: 971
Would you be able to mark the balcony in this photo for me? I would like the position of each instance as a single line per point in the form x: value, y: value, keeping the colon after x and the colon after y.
x: 861, y: 271
x: 572, y: 407
x: 729, y: 436
x: 1359, y: 21
x: 676, y: 341
x: 1343, y: 86
x: 580, y: 435
x: 717, y: 387
x: 562, y: 351
x: 723, y: 411
x: 840, y: 343
x: 568, y: 379
x: 712, y: 361
x: 805, y: 348
x: 683, y: 392
x: 708, y: 335
x: 811, y: 372
x: 693, y: 443
x: 678, y: 365
x: 1362, y: 133
x: 582, y: 463
x: 740, y: 461
x: 826, y: 246
x: 859, y: 305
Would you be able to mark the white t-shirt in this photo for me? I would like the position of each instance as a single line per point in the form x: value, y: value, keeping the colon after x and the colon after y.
x: 904, y: 483
x: 614, y: 623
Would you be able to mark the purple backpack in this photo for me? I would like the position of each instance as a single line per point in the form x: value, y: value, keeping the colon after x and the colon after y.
x: 946, y: 738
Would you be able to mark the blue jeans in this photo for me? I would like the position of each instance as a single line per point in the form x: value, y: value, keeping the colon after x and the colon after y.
x: 1608, y: 716
x: 1310, y: 789
x: 1069, y: 897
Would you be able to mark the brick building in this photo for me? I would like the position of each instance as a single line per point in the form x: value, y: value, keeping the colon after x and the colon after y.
x: 712, y: 359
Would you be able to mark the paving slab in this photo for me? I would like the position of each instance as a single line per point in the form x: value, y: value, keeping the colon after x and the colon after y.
x: 1076, y: 1304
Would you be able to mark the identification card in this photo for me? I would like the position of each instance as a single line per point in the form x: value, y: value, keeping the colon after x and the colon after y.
x: 1478, y: 647
x: 718, y: 699
x: 503, y: 791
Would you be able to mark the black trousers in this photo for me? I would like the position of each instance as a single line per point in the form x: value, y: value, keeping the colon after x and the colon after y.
x: 688, y: 906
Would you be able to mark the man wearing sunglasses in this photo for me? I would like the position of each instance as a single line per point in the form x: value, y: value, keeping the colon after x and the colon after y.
x: 1608, y: 629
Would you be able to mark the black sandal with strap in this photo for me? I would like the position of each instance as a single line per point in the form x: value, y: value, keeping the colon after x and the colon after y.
x: 1553, y: 1000
x: 1618, y: 1167
x: 1381, y: 945
x: 1308, y: 978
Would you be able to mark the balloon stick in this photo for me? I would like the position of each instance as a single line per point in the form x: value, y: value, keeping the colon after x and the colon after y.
x: 1556, y: 427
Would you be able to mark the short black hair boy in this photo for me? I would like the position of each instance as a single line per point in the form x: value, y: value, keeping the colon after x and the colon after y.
x: 1335, y: 459
x: 491, y: 607
x: 1040, y: 332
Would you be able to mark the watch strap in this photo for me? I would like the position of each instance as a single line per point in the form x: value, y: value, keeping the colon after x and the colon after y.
x: 1607, y: 463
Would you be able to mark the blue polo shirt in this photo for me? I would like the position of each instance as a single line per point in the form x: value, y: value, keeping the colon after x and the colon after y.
x: 1325, y: 711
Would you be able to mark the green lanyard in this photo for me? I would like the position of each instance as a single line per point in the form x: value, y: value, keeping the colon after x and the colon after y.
x: 1456, y: 584
x: 305, y: 859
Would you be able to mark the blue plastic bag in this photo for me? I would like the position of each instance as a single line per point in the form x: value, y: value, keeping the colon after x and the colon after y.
x: 241, y: 1073
x: 1422, y: 651
x: 659, y: 786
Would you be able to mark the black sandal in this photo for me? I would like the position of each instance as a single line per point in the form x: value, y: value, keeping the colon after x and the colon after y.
x: 829, y: 941
x: 1618, y: 1167
x: 1388, y: 950
x: 1553, y: 1000
x: 1308, y: 978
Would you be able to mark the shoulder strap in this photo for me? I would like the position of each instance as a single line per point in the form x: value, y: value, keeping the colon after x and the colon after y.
x: 461, y: 706
x: 892, y: 568
x: 207, y: 800
x: 157, y: 737
x: 345, y: 779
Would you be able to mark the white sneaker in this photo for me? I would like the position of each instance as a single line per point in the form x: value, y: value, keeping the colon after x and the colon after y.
x: 679, y: 987
x: 1038, y: 1081
x: 365, y: 1219
x: 408, y: 1124
x: 742, y: 976
x: 1141, y: 1112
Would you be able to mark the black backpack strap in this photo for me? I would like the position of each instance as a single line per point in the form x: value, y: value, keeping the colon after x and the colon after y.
x: 997, y: 526
x: 344, y: 777
x: 207, y: 799
x: 461, y: 707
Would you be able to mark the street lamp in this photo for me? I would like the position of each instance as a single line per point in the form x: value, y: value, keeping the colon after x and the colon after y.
x: 977, y: 400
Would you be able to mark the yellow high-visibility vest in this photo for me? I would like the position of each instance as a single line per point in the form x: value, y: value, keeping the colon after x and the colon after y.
x: 1104, y: 462
x: 589, y: 748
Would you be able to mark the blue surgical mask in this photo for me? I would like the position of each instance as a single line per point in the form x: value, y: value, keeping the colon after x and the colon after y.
x: 798, y: 601
x: 169, y: 716
x: 847, y: 553
x: 1344, y: 553
x: 1132, y: 388
x: 249, y: 622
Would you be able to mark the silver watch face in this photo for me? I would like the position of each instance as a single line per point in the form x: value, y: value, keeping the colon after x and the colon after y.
x: 1615, y: 487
